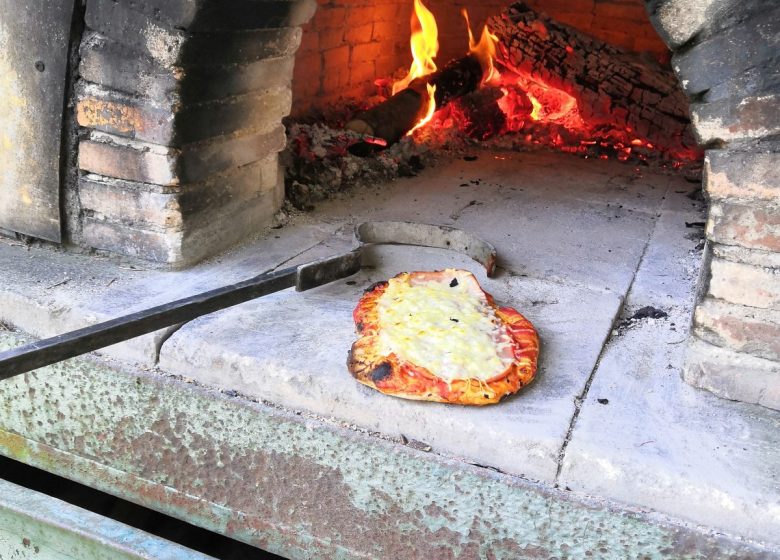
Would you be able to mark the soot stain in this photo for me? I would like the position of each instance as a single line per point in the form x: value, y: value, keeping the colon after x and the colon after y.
x: 381, y: 372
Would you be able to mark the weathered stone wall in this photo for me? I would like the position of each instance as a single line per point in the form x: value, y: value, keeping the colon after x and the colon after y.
x: 180, y: 105
x: 726, y: 57
x: 350, y: 43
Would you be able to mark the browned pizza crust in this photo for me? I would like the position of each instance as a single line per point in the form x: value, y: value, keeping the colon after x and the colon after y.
x: 388, y: 374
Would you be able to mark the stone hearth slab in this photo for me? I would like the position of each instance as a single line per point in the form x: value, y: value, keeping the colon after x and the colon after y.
x: 645, y: 437
x: 290, y: 349
x: 46, y: 292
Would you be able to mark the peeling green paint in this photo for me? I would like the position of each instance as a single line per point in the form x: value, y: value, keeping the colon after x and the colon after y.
x: 301, y: 487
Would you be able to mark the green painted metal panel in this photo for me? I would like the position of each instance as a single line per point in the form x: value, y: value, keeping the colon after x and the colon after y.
x: 305, y: 488
x: 34, y: 39
x: 37, y: 526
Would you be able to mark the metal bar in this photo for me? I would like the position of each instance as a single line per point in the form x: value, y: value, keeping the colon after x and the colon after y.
x: 57, y: 348
x: 34, y: 525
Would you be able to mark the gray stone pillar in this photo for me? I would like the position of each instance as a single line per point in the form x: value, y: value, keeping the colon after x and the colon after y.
x: 725, y: 55
x: 180, y: 104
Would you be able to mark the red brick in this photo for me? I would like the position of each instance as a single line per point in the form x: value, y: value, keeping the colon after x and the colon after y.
x: 335, y: 59
x: 386, y: 65
x: 359, y: 34
x: 329, y: 17
x: 390, y: 12
x: 368, y: 52
x: 361, y: 73
x: 310, y: 42
x: 634, y: 11
x: 330, y: 39
x: 390, y: 30
x: 334, y: 81
x: 578, y: 20
x: 651, y: 44
x: 360, y: 15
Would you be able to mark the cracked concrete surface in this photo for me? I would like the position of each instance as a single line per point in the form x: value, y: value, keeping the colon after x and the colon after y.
x: 582, y: 245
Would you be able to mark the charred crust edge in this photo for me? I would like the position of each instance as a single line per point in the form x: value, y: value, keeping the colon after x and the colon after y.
x: 374, y: 286
x: 381, y: 372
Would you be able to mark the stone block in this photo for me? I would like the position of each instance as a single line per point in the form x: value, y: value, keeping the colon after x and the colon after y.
x: 755, y: 226
x: 754, y: 257
x: 203, y: 234
x: 166, y: 125
x: 739, y: 328
x: 118, y: 157
x: 744, y: 284
x: 241, y: 184
x: 118, y: 67
x: 220, y: 229
x: 751, y: 82
x: 209, y: 15
x: 733, y: 375
x: 109, y: 63
x: 174, y: 47
x: 133, y: 204
x: 742, y: 176
x: 677, y: 21
x: 751, y: 43
x: 201, y: 160
x: 157, y: 246
x: 131, y: 160
x: 733, y: 119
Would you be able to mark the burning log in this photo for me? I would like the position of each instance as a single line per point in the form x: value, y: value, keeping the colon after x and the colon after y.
x: 610, y: 87
x: 395, y: 117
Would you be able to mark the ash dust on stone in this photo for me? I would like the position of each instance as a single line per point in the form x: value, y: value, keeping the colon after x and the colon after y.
x: 641, y: 315
x: 319, y: 163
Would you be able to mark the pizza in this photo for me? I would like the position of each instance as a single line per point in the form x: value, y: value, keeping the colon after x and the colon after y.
x: 437, y: 336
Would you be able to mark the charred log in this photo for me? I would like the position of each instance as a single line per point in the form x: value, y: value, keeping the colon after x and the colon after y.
x: 392, y: 119
x: 611, y: 87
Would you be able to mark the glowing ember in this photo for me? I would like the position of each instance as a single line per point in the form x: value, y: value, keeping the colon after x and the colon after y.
x: 515, y: 100
x: 430, y: 111
x: 424, y: 44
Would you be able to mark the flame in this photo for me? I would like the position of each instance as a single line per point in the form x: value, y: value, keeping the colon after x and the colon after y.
x: 484, y: 51
x: 536, y: 113
x: 424, y: 44
x: 429, y: 112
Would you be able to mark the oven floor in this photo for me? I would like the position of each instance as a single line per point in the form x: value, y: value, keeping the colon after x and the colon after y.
x: 583, y: 246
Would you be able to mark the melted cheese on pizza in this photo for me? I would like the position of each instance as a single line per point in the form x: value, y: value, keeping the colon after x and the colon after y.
x: 445, y: 326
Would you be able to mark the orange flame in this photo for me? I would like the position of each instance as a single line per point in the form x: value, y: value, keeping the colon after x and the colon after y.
x: 430, y: 111
x: 484, y: 51
x: 424, y: 44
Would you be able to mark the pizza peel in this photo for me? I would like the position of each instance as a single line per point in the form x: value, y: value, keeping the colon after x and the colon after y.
x: 304, y: 277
